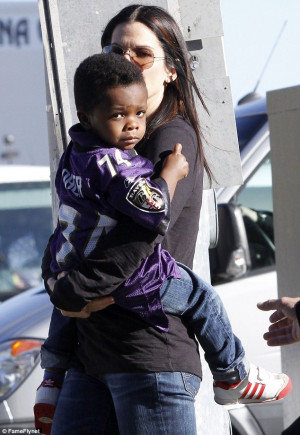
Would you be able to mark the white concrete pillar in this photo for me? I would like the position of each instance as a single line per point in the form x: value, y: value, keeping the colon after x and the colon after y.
x: 283, y: 108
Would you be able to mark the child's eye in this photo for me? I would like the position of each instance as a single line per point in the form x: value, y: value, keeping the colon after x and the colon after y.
x: 141, y: 113
x: 117, y: 115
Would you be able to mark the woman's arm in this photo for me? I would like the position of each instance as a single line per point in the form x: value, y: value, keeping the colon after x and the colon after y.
x: 181, y: 237
x: 161, y: 144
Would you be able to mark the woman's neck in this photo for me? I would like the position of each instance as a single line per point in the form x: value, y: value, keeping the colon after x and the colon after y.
x: 153, y: 104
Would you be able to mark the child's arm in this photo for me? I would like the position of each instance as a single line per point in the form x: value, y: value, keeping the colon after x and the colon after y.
x: 127, y: 186
x: 121, y: 252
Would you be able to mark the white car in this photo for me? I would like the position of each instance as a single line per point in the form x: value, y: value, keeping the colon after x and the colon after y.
x: 25, y: 226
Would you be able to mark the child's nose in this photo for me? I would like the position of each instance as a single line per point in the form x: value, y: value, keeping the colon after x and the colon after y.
x: 132, y: 124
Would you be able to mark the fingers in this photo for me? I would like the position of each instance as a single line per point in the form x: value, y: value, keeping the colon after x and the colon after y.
x: 271, y: 304
x: 281, y: 324
x: 281, y: 333
x: 284, y: 306
x: 279, y: 337
x: 80, y: 314
x: 62, y: 274
x: 51, y: 283
x: 276, y: 316
x: 99, y: 304
x: 178, y: 148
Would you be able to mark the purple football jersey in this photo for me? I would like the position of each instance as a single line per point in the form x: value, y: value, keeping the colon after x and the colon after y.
x: 95, y: 185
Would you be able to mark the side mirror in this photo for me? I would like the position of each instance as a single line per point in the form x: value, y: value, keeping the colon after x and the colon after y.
x: 230, y: 258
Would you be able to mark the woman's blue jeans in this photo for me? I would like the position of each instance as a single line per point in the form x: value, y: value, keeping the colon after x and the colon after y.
x: 145, y: 403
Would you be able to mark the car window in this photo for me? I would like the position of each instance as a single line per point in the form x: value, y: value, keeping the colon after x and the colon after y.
x: 248, y: 126
x: 255, y: 199
x: 25, y: 227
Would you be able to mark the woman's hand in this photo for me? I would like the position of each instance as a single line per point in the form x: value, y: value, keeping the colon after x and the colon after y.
x: 83, y: 314
x: 97, y: 304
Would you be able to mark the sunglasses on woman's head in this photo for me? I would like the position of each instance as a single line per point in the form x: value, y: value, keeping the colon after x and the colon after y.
x: 143, y: 57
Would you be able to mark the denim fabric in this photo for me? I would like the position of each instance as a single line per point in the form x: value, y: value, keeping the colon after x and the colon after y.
x: 202, y: 308
x: 145, y: 403
x: 59, y: 347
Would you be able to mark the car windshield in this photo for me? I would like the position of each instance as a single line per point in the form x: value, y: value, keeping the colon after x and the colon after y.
x: 25, y: 227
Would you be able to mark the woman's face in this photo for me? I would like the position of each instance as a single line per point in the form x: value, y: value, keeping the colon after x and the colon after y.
x: 132, y: 35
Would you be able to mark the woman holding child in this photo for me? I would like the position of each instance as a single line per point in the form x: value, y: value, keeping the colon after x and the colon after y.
x: 149, y: 377
x: 139, y: 359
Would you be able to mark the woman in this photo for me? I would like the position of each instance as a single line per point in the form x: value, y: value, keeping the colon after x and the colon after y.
x: 152, y: 377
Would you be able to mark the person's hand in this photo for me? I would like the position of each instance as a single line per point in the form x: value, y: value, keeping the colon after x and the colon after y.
x: 99, y: 304
x: 51, y: 283
x: 83, y: 314
x: 176, y: 164
x: 285, y: 328
x: 62, y: 274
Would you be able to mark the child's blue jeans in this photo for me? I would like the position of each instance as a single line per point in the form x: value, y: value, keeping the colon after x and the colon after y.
x: 189, y: 297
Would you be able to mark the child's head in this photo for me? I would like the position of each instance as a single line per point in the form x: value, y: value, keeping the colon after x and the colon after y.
x: 111, y: 99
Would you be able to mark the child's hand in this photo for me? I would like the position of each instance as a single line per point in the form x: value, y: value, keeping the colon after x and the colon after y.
x: 61, y: 274
x: 176, y: 163
x: 174, y: 169
x: 51, y: 283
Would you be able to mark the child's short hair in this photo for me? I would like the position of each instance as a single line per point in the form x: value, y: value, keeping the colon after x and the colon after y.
x: 100, y: 72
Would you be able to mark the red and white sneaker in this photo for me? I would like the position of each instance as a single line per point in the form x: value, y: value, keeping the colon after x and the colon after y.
x: 45, y: 403
x: 258, y: 387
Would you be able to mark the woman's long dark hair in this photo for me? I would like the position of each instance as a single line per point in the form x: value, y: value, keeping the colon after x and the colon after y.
x: 178, y: 96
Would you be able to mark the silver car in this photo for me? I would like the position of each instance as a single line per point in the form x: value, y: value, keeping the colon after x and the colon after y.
x: 24, y: 322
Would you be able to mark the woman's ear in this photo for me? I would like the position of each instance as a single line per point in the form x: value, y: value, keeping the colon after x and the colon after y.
x: 172, y: 75
x: 84, y: 120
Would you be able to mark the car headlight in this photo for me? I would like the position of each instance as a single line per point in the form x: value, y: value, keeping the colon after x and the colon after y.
x: 17, y: 360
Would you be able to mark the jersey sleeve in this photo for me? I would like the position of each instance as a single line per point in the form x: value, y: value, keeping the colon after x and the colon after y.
x: 129, y: 189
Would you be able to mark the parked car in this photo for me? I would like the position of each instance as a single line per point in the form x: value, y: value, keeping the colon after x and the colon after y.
x: 24, y: 322
x: 25, y: 226
x: 242, y: 269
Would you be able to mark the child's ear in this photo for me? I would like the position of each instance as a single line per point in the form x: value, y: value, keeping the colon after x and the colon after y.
x: 84, y: 120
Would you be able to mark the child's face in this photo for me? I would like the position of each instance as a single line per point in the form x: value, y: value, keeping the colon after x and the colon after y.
x: 120, y: 119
